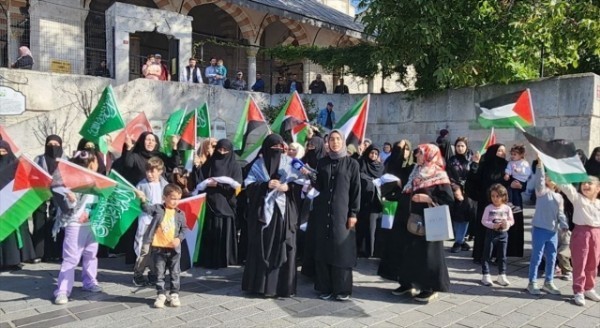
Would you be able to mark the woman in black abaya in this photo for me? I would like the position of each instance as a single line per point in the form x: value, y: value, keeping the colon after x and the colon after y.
x: 45, y: 246
x: 271, y: 260
x: 370, y: 207
x: 17, y: 247
x: 219, y: 236
x: 592, y: 165
x: 422, y: 262
x: 400, y: 164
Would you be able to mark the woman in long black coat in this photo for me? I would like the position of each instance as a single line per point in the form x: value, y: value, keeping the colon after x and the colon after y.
x: 422, y: 262
x: 370, y: 207
x: 482, y: 175
x: 17, y: 247
x: 219, y: 236
x: 272, y: 218
x: 400, y: 164
x: 336, y: 208
x: 45, y: 246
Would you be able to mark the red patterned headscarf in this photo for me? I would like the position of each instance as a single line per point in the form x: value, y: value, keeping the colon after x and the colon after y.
x: 431, y: 173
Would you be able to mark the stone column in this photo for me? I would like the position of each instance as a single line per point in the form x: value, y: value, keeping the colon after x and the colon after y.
x: 306, y: 66
x: 57, y: 33
x: 371, y: 86
x: 251, y: 74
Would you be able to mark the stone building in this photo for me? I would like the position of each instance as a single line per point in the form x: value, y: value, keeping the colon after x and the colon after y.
x: 74, y: 36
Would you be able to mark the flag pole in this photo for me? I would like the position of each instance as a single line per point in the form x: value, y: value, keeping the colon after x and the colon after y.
x: 518, y: 126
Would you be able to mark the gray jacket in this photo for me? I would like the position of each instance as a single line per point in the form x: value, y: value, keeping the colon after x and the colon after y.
x: 549, y: 213
x: 144, y: 185
x: 157, y: 212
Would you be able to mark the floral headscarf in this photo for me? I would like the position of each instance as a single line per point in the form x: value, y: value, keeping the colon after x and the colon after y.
x: 431, y: 173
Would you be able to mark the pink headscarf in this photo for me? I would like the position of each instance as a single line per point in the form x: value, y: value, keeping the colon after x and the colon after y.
x: 432, y: 172
x: 24, y: 51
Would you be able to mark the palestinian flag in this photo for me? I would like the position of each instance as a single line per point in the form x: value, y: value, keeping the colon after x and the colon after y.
x: 291, y: 115
x: 253, y: 150
x: 252, y: 119
x: 4, y: 136
x: 134, y: 128
x: 24, y: 186
x: 491, y: 139
x: 80, y: 179
x: 354, y: 122
x: 194, y: 209
x: 561, y: 161
x: 507, y: 111
x: 187, y: 143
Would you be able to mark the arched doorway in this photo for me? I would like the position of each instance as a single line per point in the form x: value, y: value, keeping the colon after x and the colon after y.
x: 274, y: 34
x: 216, y: 34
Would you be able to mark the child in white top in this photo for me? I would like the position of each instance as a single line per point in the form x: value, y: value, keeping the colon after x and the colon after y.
x: 517, y: 172
x: 585, y: 239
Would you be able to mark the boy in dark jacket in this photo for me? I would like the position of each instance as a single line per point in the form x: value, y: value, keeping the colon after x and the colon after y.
x: 165, y: 234
x: 462, y: 212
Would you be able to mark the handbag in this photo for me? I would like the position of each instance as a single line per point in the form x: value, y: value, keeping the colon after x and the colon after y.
x: 416, y: 223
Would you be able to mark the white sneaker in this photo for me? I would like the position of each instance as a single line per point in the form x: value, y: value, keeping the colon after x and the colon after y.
x: 174, y: 300
x: 160, y: 301
x: 592, y: 295
x: 579, y: 299
x: 487, y: 280
x: 502, y: 280
x: 550, y: 288
x: 533, y: 289
x: 61, y: 299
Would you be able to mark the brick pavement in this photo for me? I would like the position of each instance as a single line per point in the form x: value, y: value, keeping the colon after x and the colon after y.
x: 214, y: 299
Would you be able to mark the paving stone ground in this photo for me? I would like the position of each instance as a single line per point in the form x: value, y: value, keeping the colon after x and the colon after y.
x: 214, y: 299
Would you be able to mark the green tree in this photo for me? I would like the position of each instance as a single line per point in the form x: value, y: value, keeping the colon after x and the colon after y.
x: 457, y: 43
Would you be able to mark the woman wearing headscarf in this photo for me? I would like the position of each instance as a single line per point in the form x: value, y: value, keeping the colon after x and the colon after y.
x: 219, y: 236
x: 422, y: 262
x: 592, y: 166
x: 25, y: 60
x: 400, y: 164
x: 90, y: 146
x: 335, y: 210
x: 315, y: 150
x: 370, y: 207
x: 207, y: 148
x: 482, y: 175
x: 17, y: 246
x: 46, y: 247
x: 272, y: 222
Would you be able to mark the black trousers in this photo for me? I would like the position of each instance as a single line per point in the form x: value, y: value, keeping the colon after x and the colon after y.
x: 333, y: 280
x: 166, y: 258
x: 497, y: 240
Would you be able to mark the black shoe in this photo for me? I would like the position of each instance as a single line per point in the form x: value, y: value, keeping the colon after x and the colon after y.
x: 465, y: 247
x: 140, y: 281
x: 403, y: 290
x: 455, y: 248
x: 426, y: 296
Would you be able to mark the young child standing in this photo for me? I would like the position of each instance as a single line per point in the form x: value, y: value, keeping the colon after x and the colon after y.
x: 79, y: 243
x: 152, y: 187
x: 517, y: 171
x: 221, y: 71
x: 164, y: 235
x: 585, y: 238
x: 549, y: 217
x: 497, y: 218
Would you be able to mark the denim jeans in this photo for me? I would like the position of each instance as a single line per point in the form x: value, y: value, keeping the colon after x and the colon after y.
x: 497, y: 240
x: 460, y: 231
x: 166, y: 259
x: 543, y: 242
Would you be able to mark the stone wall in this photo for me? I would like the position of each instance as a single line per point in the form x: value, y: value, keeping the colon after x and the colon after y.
x: 566, y: 107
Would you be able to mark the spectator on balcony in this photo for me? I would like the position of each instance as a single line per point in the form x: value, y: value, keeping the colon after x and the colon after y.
x: 102, y: 70
x: 221, y: 73
x: 25, y: 60
x: 191, y: 73
x: 280, y: 86
x: 165, y: 75
x: 239, y: 83
x: 152, y: 69
x: 341, y: 88
x: 211, y: 72
x: 294, y: 85
x: 259, y: 85
x: 317, y: 86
